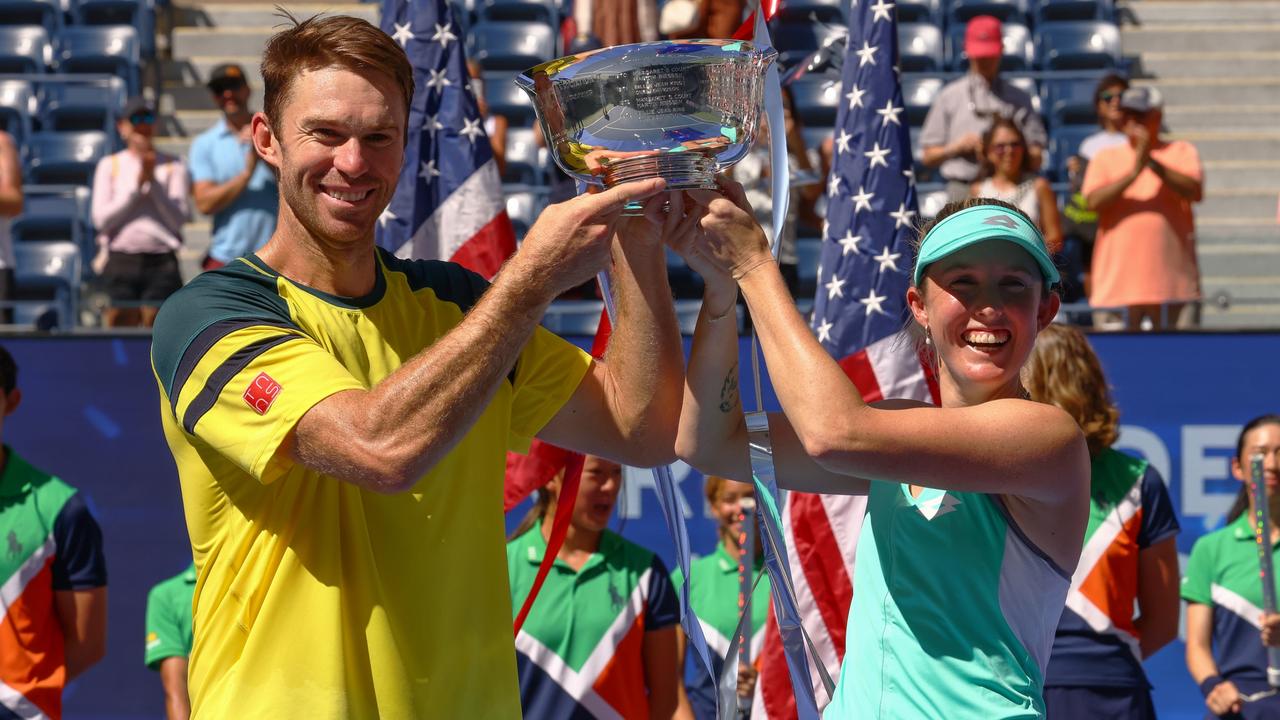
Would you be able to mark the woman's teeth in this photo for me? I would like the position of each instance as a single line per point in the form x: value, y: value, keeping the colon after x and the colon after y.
x: 986, y: 337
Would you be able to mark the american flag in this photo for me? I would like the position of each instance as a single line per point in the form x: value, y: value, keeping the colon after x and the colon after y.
x: 449, y: 203
x: 858, y: 311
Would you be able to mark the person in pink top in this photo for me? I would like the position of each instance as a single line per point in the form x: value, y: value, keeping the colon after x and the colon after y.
x: 139, y: 205
x: 1144, y: 258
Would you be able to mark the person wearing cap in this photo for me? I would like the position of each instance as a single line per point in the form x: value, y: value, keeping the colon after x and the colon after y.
x: 228, y: 181
x: 1144, y: 255
x: 976, y: 510
x: 951, y: 138
x: 139, y: 206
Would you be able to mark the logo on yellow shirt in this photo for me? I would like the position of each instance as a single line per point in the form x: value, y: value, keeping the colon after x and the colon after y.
x: 261, y: 393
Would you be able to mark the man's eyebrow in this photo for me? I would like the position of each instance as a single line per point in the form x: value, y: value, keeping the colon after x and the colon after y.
x: 308, y: 121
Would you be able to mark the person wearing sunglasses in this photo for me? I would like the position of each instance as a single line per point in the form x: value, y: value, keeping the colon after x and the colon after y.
x: 139, y: 206
x: 1007, y: 175
x: 951, y: 137
x: 227, y: 181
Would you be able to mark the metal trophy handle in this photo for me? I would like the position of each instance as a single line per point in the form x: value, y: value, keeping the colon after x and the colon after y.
x: 1267, y: 572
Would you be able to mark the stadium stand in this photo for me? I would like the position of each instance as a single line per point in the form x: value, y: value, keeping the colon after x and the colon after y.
x: 54, y: 213
x: 511, y: 45
x: 17, y: 107
x: 1007, y: 10
x: 47, y: 276
x: 508, y: 100
x: 24, y: 49
x: 111, y: 49
x: 90, y: 105
x: 1019, y: 51
x: 45, y: 13
x: 1079, y: 45
x: 920, y: 48
x: 65, y: 158
x: 543, y: 11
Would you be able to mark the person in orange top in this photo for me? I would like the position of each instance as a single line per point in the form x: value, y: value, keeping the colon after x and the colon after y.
x: 1144, y: 258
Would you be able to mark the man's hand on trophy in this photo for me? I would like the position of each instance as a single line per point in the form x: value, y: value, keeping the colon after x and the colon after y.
x: 730, y: 237
x: 570, y: 242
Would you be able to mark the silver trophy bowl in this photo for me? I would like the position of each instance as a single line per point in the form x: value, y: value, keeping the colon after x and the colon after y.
x: 682, y: 110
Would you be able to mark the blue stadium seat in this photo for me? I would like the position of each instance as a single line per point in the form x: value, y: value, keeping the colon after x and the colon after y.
x: 1063, y: 143
x: 808, y: 254
x: 526, y: 161
x: 49, y: 266
x: 543, y: 11
x: 820, y: 11
x: 917, y: 95
x: 24, y: 49
x: 1028, y: 85
x: 17, y: 106
x: 505, y: 98
x: 111, y: 49
x: 1079, y: 45
x: 90, y: 105
x: 1069, y: 101
x: 523, y: 209
x: 1018, y: 51
x: 54, y: 213
x: 1007, y: 10
x: 817, y: 99
x: 45, y: 13
x: 140, y: 14
x: 815, y: 135
x: 65, y: 158
x: 922, y: 11
x: 920, y: 48
x: 573, y: 317
x: 797, y: 40
x: 511, y: 45
x: 1058, y: 10
x: 923, y: 172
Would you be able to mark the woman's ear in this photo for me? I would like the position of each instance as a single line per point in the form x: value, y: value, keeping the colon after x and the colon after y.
x: 1237, y: 471
x: 915, y: 301
x: 1048, y: 310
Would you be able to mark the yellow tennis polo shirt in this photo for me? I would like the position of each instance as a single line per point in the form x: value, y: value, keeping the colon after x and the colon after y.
x: 316, y: 598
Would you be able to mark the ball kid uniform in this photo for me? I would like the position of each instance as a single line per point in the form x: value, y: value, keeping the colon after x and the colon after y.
x: 1097, y: 662
x: 169, y: 619
x: 317, y: 598
x: 580, y: 651
x: 954, y: 611
x: 1222, y: 573
x: 713, y: 594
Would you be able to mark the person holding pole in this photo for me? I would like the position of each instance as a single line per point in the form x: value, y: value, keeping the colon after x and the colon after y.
x: 716, y: 596
x: 976, y: 510
x: 1227, y: 630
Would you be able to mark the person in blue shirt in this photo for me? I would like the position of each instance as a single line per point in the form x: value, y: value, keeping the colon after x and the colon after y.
x: 228, y: 182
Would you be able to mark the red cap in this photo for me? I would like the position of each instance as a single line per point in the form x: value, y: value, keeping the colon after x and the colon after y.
x: 982, y: 37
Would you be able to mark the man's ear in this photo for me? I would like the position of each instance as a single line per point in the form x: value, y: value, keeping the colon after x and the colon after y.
x: 264, y: 140
x: 12, y: 400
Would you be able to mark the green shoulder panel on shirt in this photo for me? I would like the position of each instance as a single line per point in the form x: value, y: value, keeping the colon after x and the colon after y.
x: 169, y: 619
x: 207, y: 309
x: 30, y: 500
x: 1197, y: 576
x: 450, y: 281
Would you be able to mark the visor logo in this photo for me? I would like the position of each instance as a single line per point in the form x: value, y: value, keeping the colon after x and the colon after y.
x: 1002, y: 221
x: 261, y: 393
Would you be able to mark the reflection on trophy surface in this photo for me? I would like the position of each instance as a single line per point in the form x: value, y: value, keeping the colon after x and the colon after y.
x: 682, y: 110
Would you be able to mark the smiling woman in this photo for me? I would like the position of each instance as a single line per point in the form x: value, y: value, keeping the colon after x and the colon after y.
x: 976, y: 509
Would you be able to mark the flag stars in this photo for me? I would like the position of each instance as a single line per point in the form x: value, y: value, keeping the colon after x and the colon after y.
x: 432, y: 125
x: 835, y: 287
x: 849, y: 243
x: 887, y: 260
x: 427, y: 170
x: 471, y: 128
x: 403, y: 34
x: 824, y: 331
x: 386, y: 216
x: 833, y: 186
x: 855, y: 97
x: 889, y: 114
x: 873, y: 302
x: 438, y: 80
x: 842, y: 142
x: 877, y: 156
x: 862, y: 201
x: 881, y: 11
x: 444, y: 33
x: 902, y: 216
x: 867, y: 54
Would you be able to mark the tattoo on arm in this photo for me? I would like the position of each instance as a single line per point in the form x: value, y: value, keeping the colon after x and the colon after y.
x: 729, y: 391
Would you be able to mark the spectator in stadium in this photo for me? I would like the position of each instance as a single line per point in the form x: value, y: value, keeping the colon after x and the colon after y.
x: 169, y: 639
x: 139, y: 206
x: 1095, y: 670
x: 687, y: 19
x: 951, y: 138
x: 228, y: 181
x: 602, y: 589
x: 354, y: 408
x: 54, y: 575
x: 713, y: 593
x: 495, y: 126
x: 1080, y: 224
x: 10, y: 207
x: 1007, y: 175
x: 1225, y: 654
x: 989, y: 525
x: 603, y: 23
x: 1144, y: 258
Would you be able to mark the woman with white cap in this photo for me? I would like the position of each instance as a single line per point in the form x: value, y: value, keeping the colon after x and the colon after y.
x: 976, y: 509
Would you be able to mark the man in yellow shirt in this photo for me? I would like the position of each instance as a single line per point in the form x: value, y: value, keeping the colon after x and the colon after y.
x: 339, y: 416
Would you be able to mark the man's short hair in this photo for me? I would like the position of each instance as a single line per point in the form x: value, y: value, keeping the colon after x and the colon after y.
x: 329, y: 41
x: 8, y: 371
x: 1110, y: 80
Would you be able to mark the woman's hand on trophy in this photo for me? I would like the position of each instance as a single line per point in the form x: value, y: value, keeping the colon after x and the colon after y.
x: 685, y: 240
x: 570, y: 242
x: 730, y: 237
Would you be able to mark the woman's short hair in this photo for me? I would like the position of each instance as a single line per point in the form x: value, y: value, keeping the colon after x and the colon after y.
x: 1110, y: 80
x: 329, y: 41
x: 1064, y: 371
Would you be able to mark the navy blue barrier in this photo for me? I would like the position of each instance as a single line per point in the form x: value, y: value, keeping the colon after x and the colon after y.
x: 90, y: 414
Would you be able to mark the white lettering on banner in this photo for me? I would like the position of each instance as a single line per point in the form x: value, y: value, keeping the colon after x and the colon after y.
x: 1149, y: 445
x: 636, y: 480
x: 1198, y: 466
